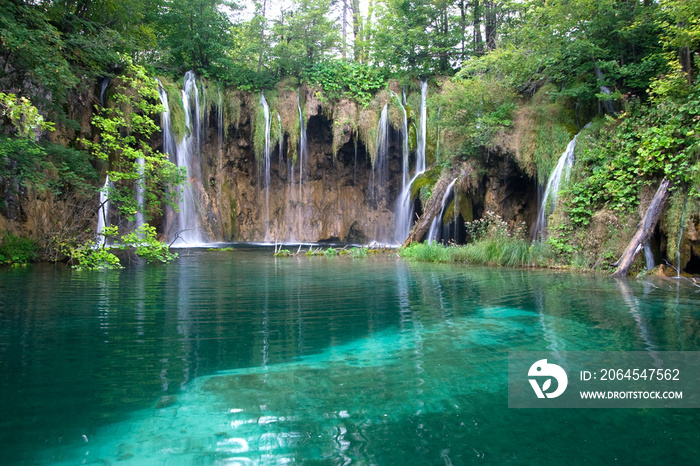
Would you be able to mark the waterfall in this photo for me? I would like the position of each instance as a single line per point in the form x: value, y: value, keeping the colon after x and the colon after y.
x: 140, y: 191
x: 551, y: 193
x: 421, y: 136
x: 404, y: 206
x: 609, y: 107
x: 379, y: 173
x: 103, y: 90
x: 266, y: 163
x: 303, y: 152
x: 404, y: 138
x: 433, y: 232
x: 186, y: 155
x: 648, y: 256
x: 303, y: 148
x: 103, y: 214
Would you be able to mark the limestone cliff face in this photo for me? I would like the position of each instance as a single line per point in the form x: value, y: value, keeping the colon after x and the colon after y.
x: 333, y: 201
x: 337, y: 194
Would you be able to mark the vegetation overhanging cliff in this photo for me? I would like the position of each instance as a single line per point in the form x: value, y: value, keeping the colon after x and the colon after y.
x: 520, y: 92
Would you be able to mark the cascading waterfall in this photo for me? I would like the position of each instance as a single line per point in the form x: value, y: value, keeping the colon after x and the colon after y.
x: 404, y: 206
x: 169, y: 146
x: 648, y: 256
x: 303, y: 153
x: 551, y: 193
x: 422, y: 134
x: 380, y: 168
x: 404, y: 138
x: 103, y: 213
x: 140, y: 191
x: 103, y: 90
x: 186, y: 154
x: 434, y: 231
x: 266, y: 163
x: 609, y: 107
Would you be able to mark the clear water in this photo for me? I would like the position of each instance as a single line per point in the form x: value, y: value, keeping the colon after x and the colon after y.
x: 241, y: 358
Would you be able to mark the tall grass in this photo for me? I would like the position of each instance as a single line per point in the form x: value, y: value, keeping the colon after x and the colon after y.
x: 516, y: 252
x: 494, y: 243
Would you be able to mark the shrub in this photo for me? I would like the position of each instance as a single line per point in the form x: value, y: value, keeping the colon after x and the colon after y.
x: 17, y: 251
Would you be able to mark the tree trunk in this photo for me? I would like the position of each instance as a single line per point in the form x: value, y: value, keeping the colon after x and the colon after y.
x: 644, y: 230
x: 478, y: 43
x: 262, y: 36
x: 491, y: 24
x: 685, y: 57
x: 345, y: 30
x: 356, y: 28
x: 463, y: 24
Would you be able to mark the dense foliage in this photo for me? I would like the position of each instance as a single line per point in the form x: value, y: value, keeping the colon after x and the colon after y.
x: 507, y: 77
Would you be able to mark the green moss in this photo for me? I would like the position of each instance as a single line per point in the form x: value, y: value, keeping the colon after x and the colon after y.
x: 232, y: 108
x: 465, y: 208
x: 258, y: 123
x: 543, y: 129
x: 424, y: 183
x: 681, y: 211
x: 177, y: 111
x: 285, y: 103
x: 344, y: 119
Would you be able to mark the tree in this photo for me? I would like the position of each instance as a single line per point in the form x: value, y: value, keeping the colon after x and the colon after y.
x: 197, y: 33
x: 418, y: 36
x: 124, y: 133
x: 305, y: 37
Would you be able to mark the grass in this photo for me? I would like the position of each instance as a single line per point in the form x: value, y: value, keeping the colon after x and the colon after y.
x: 515, y: 252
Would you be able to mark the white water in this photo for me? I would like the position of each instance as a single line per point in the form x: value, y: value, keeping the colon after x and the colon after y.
x: 103, y: 213
x: 303, y: 153
x: 404, y: 138
x: 404, y: 204
x: 140, y: 191
x: 186, y: 231
x: 422, y: 134
x: 303, y: 147
x: 551, y: 193
x: 434, y: 231
x: 380, y: 165
x: 648, y: 256
x: 266, y: 164
x: 103, y: 90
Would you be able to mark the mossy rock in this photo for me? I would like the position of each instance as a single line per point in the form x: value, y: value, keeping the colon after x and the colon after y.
x: 427, y: 179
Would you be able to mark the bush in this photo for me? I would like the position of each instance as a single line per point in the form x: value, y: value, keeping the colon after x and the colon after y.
x: 17, y: 251
x: 147, y: 245
x: 339, y: 79
x: 90, y: 256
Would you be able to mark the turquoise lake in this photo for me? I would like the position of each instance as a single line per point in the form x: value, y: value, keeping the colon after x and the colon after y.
x: 236, y: 357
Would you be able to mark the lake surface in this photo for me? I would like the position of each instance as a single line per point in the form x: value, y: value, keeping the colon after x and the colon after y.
x: 235, y: 357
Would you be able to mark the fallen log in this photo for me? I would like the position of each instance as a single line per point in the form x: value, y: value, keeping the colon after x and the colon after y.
x: 644, y: 230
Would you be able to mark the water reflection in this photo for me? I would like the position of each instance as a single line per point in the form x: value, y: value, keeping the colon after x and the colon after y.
x: 245, y: 358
